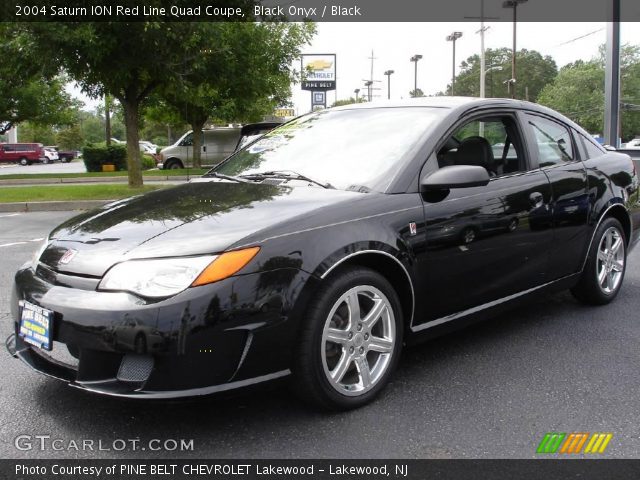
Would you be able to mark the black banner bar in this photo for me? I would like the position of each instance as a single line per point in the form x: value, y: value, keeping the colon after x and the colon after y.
x: 583, y: 469
x: 315, y: 10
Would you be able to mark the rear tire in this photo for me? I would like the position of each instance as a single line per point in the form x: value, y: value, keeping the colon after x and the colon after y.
x: 24, y: 162
x: 350, y: 342
x: 606, y: 263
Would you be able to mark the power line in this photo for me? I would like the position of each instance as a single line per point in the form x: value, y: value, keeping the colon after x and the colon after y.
x: 578, y: 38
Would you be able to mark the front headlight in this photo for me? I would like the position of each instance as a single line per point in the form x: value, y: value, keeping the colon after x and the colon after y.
x: 35, y: 260
x: 165, y: 277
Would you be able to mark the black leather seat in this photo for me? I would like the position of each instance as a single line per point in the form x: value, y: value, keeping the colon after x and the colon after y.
x: 476, y: 151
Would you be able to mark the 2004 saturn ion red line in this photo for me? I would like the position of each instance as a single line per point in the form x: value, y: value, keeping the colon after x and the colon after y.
x: 316, y: 251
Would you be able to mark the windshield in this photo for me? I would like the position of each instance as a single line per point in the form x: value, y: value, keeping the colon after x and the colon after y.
x: 359, y: 149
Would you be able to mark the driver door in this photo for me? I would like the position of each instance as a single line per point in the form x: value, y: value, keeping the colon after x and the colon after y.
x: 489, y: 242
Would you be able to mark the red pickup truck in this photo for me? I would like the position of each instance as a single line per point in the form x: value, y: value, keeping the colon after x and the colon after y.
x: 22, y: 153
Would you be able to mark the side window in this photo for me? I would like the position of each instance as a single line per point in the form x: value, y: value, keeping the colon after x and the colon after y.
x: 187, y: 141
x: 553, y: 141
x: 491, y: 142
x: 592, y: 150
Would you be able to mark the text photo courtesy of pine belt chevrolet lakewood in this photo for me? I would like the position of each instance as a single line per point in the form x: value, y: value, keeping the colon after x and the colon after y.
x: 321, y: 248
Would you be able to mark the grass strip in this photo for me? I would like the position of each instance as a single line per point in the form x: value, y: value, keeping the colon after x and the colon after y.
x: 70, y: 192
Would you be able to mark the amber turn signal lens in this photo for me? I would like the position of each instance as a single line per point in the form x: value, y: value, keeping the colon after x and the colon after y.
x: 225, y: 265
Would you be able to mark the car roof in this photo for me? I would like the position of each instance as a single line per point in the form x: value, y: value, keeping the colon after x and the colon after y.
x: 447, y: 102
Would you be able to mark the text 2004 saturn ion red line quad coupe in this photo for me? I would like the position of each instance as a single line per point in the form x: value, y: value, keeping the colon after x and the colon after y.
x: 316, y: 251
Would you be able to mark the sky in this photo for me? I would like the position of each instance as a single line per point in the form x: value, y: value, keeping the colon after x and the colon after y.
x: 394, y: 43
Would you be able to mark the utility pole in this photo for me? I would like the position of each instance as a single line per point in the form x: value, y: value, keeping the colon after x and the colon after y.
x: 356, y: 91
x: 612, y: 78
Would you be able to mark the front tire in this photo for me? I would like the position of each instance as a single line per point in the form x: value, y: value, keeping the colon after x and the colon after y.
x: 173, y: 165
x: 350, y: 342
x: 24, y: 162
x: 606, y: 263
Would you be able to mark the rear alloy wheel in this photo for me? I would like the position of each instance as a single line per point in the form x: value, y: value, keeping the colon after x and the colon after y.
x: 24, y: 162
x: 351, y: 342
x: 604, y: 270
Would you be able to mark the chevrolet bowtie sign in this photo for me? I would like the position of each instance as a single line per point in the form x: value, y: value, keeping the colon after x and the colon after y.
x: 319, y: 72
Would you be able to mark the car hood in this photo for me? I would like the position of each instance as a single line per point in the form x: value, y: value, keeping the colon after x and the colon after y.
x: 190, y: 219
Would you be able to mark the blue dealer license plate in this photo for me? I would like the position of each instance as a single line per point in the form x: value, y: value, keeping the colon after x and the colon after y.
x: 36, y: 324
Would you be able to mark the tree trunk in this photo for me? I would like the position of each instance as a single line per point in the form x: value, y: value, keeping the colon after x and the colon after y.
x: 133, y: 146
x: 107, y: 119
x: 197, y: 143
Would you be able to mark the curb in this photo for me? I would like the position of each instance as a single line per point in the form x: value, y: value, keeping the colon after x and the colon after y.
x: 52, y: 206
x: 54, y: 181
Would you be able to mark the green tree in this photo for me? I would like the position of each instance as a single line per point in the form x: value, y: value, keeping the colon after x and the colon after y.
x: 125, y: 60
x: 416, y: 93
x: 534, y: 72
x: 70, y: 138
x: 242, y: 73
x: 578, y: 92
x: 32, y: 132
x: 28, y: 91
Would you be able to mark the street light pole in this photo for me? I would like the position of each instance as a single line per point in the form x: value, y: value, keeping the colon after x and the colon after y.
x: 415, y: 60
x: 368, y: 84
x: 356, y: 91
x: 513, y: 4
x: 452, y: 38
x: 388, y: 73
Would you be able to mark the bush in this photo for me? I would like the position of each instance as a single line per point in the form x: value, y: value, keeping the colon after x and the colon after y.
x: 148, y: 162
x: 96, y: 156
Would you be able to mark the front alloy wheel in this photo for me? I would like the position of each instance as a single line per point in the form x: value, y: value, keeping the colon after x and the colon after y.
x: 350, y: 340
x: 358, y: 340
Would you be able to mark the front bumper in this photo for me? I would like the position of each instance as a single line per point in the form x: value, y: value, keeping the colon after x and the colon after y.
x: 230, y: 334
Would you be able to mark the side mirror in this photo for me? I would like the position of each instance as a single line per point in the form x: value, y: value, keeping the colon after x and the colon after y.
x: 455, y: 176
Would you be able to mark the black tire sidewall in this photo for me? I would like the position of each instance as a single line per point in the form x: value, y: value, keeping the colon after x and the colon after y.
x: 310, y: 368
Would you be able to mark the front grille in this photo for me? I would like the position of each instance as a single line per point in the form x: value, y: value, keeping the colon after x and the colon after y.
x: 58, y: 354
x: 66, y: 280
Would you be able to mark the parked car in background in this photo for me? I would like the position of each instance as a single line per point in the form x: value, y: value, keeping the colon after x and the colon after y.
x: 632, y: 145
x: 317, y: 251
x: 50, y: 154
x: 64, y: 156
x: 217, y: 144
x: 148, y: 147
x: 22, y: 153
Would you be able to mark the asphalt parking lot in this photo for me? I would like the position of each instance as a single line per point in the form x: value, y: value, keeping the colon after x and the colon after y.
x: 490, y: 391
x: 76, y: 166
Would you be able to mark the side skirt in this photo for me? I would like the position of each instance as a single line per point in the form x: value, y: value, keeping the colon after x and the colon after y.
x: 455, y: 321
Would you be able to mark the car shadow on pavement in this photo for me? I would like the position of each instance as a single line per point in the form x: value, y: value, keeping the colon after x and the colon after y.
x: 489, y: 367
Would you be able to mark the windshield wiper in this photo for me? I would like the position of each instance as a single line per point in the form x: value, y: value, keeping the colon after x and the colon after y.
x: 286, y: 174
x: 225, y: 177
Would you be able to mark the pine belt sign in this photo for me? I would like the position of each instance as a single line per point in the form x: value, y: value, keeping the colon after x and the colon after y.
x: 319, y: 72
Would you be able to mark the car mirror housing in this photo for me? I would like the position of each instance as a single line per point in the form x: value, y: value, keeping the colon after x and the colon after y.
x: 455, y: 176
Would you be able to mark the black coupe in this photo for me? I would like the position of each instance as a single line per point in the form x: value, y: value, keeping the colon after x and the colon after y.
x: 318, y: 250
